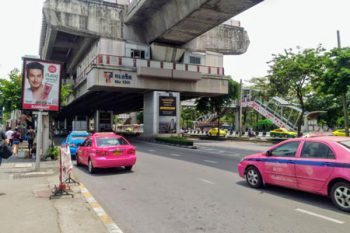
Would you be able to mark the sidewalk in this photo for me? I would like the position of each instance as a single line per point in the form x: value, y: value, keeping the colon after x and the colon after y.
x: 25, y: 205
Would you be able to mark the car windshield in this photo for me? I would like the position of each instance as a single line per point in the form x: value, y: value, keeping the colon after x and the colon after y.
x: 345, y: 143
x: 110, y: 142
x: 79, y: 138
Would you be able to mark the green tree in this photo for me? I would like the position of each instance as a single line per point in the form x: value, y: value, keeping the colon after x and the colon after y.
x: 11, y: 91
x: 188, y: 115
x: 218, y: 104
x: 336, y: 78
x: 291, y: 73
x: 66, y: 90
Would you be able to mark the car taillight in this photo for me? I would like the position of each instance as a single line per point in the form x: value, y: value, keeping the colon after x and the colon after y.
x: 101, y: 153
x: 131, y: 151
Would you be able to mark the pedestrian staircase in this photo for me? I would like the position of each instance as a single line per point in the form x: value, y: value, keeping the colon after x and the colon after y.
x: 278, y: 111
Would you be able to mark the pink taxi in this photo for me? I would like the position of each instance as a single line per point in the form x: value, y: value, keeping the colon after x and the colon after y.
x: 106, y: 150
x: 319, y: 165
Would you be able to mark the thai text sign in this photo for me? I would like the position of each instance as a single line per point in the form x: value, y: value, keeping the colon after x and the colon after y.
x: 167, y: 106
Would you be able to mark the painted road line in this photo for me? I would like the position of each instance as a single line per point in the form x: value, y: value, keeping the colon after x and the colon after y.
x: 151, y: 150
x: 320, y: 216
x: 176, y: 155
x: 205, y: 181
x: 210, y: 161
x: 222, y: 151
x: 107, y: 221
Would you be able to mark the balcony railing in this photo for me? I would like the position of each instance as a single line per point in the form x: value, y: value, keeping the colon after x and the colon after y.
x: 119, y: 61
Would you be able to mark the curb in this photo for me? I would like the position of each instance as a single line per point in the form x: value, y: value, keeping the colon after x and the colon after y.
x: 103, y: 216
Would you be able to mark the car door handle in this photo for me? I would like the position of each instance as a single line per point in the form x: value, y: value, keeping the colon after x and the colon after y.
x: 327, y: 164
x: 291, y: 161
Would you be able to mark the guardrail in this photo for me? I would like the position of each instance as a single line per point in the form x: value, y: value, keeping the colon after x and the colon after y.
x: 120, y: 61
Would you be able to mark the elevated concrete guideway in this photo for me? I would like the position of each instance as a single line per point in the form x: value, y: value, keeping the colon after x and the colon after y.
x: 180, y: 21
x: 123, y: 57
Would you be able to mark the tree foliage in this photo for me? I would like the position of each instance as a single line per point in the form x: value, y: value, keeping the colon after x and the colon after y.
x: 291, y: 73
x: 11, y: 91
x: 336, y: 78
x: 218, y: 104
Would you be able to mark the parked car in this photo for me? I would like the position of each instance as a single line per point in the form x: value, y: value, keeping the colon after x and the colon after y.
x: 74, y: 139
x: 283, y: 133
x: 214, y: 132
x: 106, y: 150
x: 319, y: 165
x: 339, y: 132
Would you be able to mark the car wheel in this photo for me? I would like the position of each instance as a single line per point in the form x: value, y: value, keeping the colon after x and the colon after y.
x: 253, y: 177
x: 91, y: 167
x: 340, y: 195
x: 77, y: 161
x: 128, y: 168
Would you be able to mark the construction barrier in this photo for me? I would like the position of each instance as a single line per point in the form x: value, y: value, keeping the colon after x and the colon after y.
x: 65, y: 167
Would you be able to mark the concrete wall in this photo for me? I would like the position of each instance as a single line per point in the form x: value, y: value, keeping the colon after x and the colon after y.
x: 225, y: 39
x: 80, y: 18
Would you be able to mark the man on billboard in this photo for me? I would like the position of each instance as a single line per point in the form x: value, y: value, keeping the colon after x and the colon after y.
x: 35, y: 75
x: 41, y: 85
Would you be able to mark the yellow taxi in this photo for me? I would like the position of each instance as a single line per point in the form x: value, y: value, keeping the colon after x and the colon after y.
x: 339, y: 132
x: 283, y: 133
x: 214, y: 132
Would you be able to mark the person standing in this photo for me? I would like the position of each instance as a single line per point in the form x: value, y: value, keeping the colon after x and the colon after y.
x: 9, y: 134
x: 30, y: 138
x: 16, y: 141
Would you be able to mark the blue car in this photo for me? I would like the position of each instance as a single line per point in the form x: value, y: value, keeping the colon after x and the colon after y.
x: 74, y: 139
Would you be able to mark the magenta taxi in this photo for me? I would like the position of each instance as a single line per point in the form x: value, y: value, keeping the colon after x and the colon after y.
x: 319, y: 165
x: 106, y: 150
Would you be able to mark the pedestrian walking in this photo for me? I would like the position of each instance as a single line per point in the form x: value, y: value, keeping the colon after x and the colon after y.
x: 5, y: 149
x: 16, y: 136
x: 30, y: 137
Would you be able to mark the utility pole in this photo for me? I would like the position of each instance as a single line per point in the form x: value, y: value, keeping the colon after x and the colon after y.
x: 240, y: 107
x: 345, y: 105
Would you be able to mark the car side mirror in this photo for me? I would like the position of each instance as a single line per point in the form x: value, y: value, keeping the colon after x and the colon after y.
x: 268, y: 153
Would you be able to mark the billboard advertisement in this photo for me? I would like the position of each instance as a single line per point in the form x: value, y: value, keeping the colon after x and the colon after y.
x: 167, y: 114
x: 41, y: 85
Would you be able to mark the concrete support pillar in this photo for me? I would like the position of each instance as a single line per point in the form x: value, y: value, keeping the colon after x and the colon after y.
x: 97, y: 121
x: 46, y: 134
x: 133, y: 116
x: 161, y: 113
x: 87, y: 123
x: 236, y: 120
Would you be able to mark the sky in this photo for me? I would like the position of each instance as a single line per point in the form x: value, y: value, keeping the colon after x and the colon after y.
x: 272, y: 26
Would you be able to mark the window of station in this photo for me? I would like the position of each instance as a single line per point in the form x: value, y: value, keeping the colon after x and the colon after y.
x: 135, y: 53
x: 195, y: 60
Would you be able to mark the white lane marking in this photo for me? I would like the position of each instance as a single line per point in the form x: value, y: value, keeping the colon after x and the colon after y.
x: 222, y: 151
x: 176, y: 155
x: 210, y: 161
x: 151, y: 150
x: 205, y: 181
x: 320, y: 216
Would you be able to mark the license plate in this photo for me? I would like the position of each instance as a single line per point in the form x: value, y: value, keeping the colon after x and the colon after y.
x: 117, y: 152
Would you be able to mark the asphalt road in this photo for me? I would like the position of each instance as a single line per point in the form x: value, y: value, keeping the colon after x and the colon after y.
x: 175, y: 190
